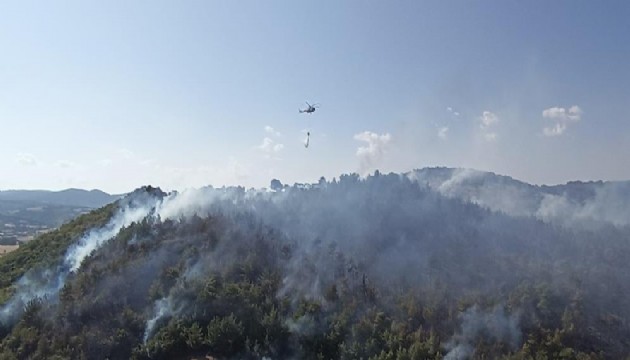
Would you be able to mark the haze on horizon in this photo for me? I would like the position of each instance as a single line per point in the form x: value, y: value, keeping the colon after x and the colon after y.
x: 116, y: 95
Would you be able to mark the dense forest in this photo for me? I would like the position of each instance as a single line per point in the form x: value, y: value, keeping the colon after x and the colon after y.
x: 400, y: 266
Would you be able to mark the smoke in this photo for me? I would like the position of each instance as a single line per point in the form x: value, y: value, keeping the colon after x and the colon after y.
x: 383, y: 221
x: 492, y: 326
x: 304, y: 325
x: 371, y: 239
x: 175, y: 303
x: 573, y: 204
x: 187, y: 203
x: 609, y: 203
x: 485, y: 189
x: 95, y: 238
x: 46, y: 283
x: 372, y: 153
x: 163, y: 308
x: 35, y: 284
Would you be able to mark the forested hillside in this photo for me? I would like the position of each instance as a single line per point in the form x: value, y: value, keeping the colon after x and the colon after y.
x: 387, y: 267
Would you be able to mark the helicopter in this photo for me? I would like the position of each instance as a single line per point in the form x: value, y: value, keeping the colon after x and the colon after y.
x: 310, y: 109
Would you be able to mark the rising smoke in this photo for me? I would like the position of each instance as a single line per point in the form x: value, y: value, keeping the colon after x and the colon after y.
x: 494, y: 325
x: 462, y: 232
x: 573, y: 204
x: 46, y: 283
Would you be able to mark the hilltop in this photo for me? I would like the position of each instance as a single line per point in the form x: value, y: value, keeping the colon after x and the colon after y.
x: 430, y: 264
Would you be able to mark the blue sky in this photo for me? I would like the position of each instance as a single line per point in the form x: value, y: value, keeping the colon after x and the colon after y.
x: 117, y: 94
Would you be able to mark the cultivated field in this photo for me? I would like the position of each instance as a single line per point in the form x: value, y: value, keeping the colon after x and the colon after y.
x: 5, y: 249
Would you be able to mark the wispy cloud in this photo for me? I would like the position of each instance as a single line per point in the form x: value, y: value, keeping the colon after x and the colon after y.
x: 126, y: 153
x: 488, y: 120
x: 452, y: 111
x: 443, y: 132
x: 272, y: 131
x: 236, y: 170
x: 490, y: 136
x: 64, y: 164
x: 269, y: 146
x: 370, y: 154
x: 561, y: 118
x: 26, y: 159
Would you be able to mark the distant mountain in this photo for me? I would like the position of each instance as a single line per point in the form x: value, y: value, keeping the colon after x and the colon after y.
x: 69, y: 197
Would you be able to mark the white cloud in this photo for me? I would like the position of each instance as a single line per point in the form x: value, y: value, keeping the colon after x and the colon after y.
x: 452, y: 111
x: 370, y: 154
x: 488, y: 120
x: 148, y: 162
x: 126, y: 153
x: 561, y: 114
x: 272, y: 131
x: 443, y: 132
x: 555, y: 130
x: 236, y: 170
x: 561, y: 119
x: 64, y: 164
x: 269, y: 146
x: 26, y: 159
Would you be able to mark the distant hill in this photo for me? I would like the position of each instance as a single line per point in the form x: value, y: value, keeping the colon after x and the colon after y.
x: 69, y: 197
x: 26, y: 213
x: 575, y: 202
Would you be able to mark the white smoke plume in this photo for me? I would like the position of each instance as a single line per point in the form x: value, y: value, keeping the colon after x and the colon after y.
x: 162, y: 308
x: 581, y: 204
x: 47, y: 283
x: 355, y: 233
x: 95, y: 238
x: 495, y: 325
x: 304, y: 325
x: 371, y: 154
x: 610, y: 203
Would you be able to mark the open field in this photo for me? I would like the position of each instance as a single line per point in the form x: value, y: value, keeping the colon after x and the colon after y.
x: 5, y: 249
